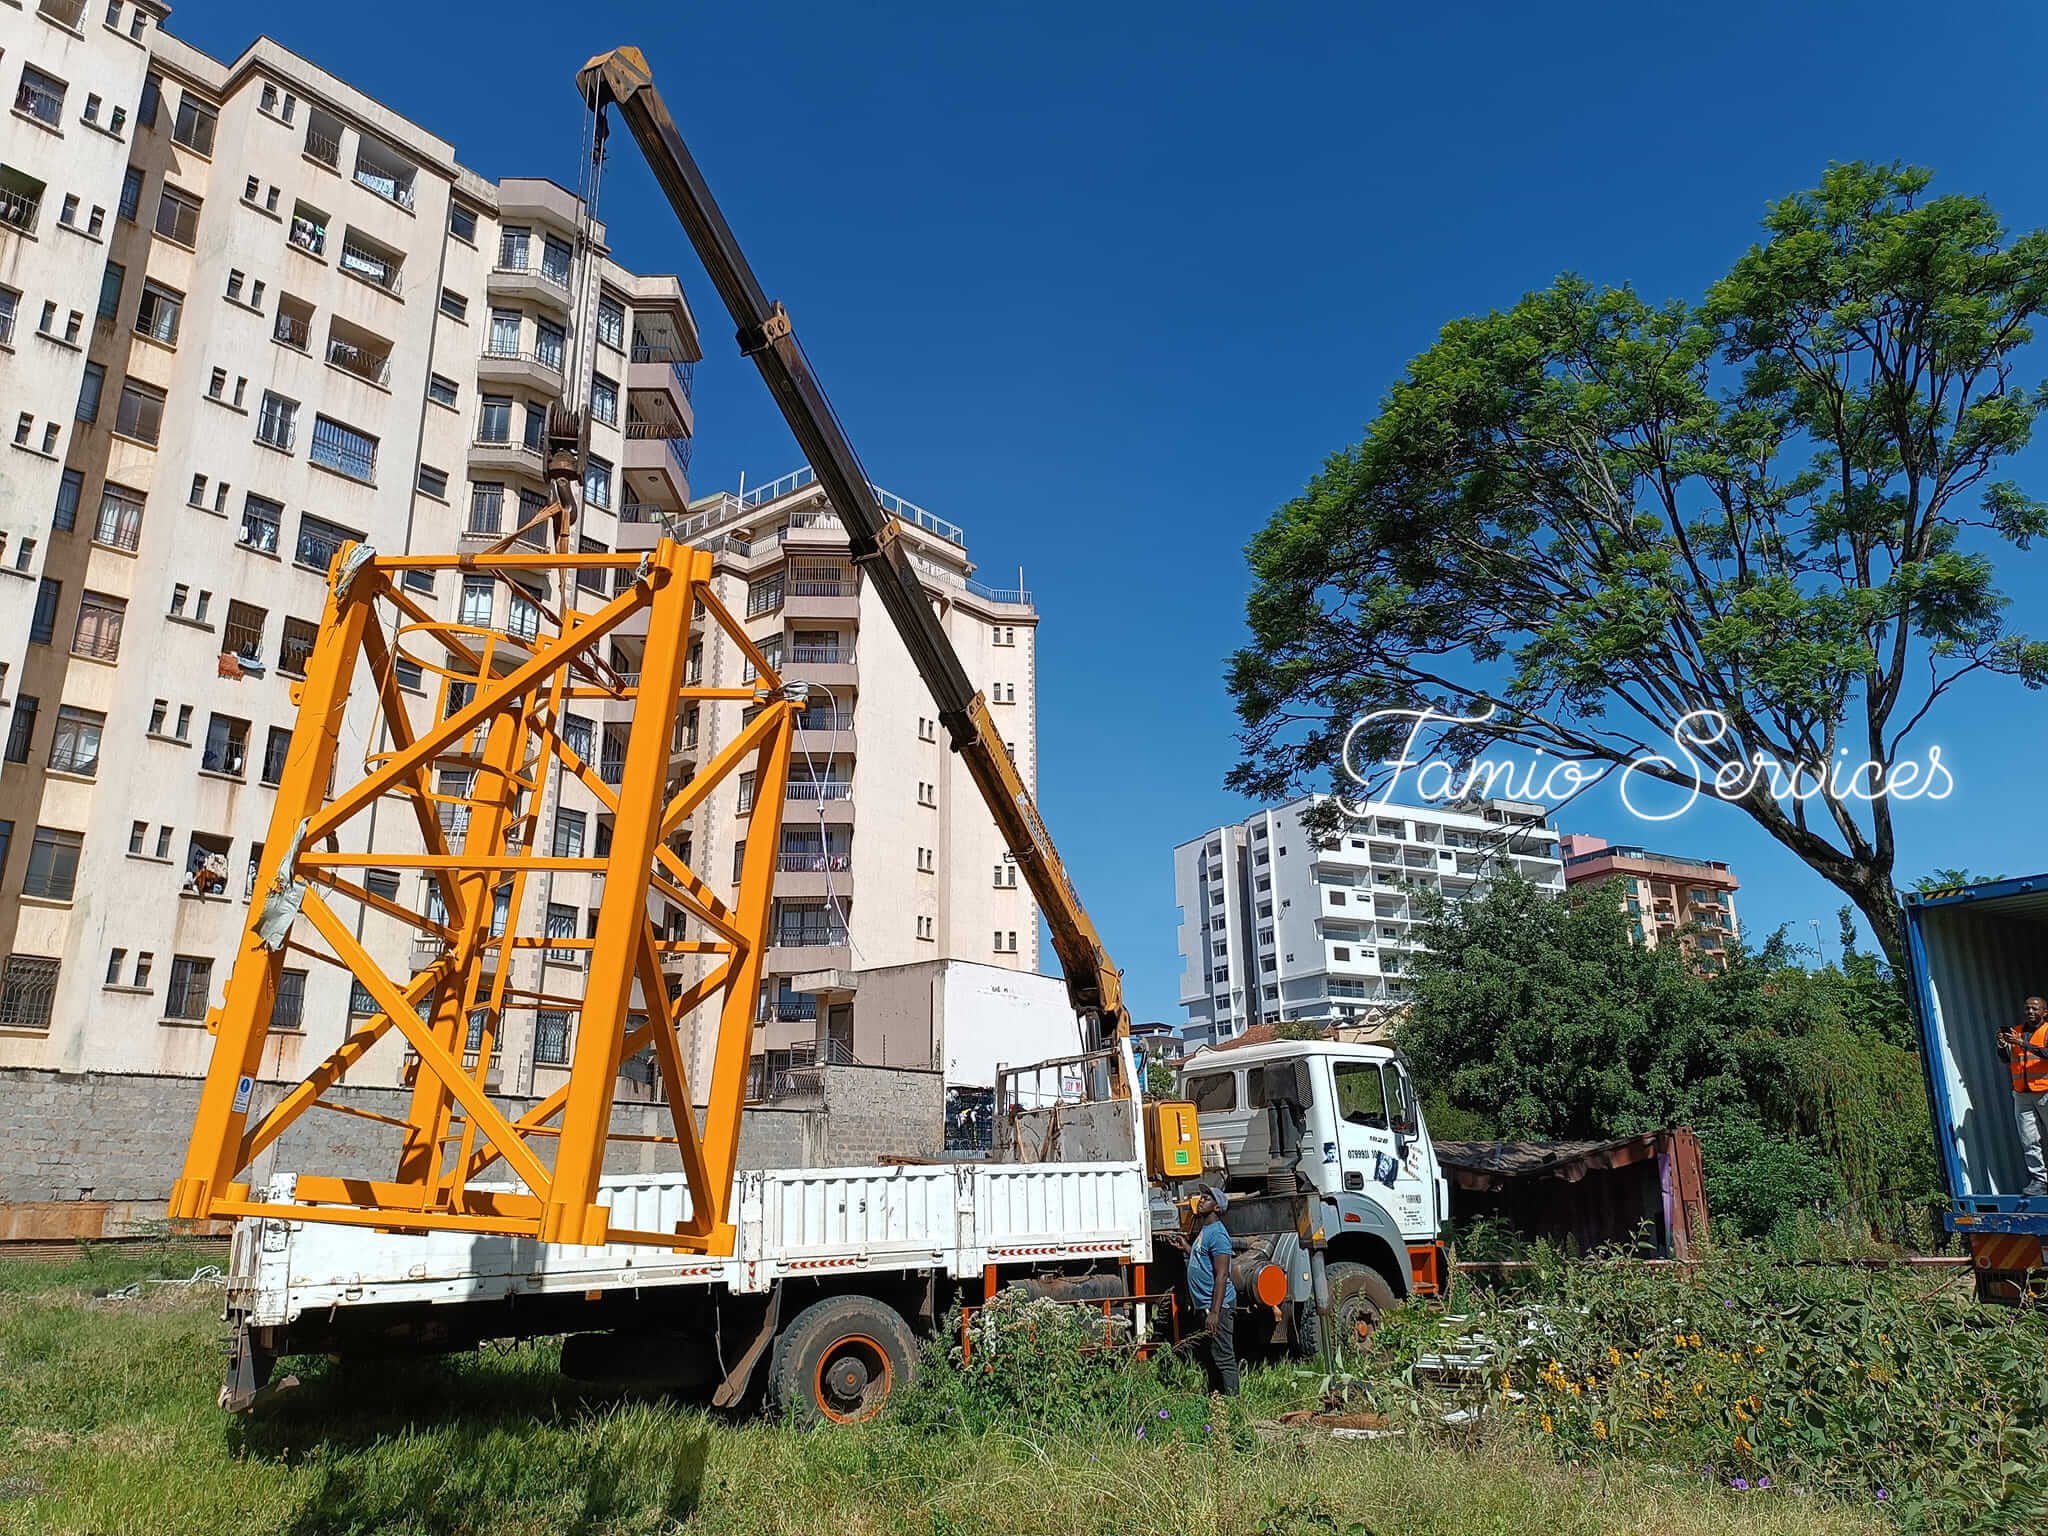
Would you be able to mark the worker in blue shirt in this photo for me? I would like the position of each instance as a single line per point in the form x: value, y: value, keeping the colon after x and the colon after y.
x: 1211, y: 1290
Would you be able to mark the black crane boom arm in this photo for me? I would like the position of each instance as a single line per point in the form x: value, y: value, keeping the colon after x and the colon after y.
x: 621, y: 78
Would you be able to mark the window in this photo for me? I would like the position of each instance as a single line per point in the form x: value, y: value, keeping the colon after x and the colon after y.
x: 28, y: 987
x: 597, y: 482
x: 120, y: 520
x: 75, y: 744
x: 454, y: 305
x: 152, y: 93
x: 476, y: 601
x: 66, y: 516
x: 1212, y: 1092
x: 924, y: 861
x: 308, y: 230
x: 604, y: 400
x: 561, y: 924
x: 523, y: 616
x: 555, y: 256
x: 569, y: 834
x: 99, y: 627
x: 441, y: 391
x: 494, y: 421
x: 131, y: 193
x: 194, y: 124
x: 41, y: 96
x: 53, y: 864
x: 191, y: 982
x: 462, y: 222
x: 433, y: 482
x: 299, y: 638
x: 289, y: 1010
x: 504, y: 339
x: 43, y: 628
x: 182, y: 730
x: 611, y: 322
x: 551, y: 1036
x: 143, y: 962
x: 924, y: 927
x: 381, y: 882
x: 243, y: 636
x: 343, y: 449
x: 1006, y: 943
x: 177, y: 216
x: 141, y: 413
x: 89, y: 387
x: 547, y: 344
x: 114, y: 959
x: 255, y: 871
x: 10, y: 305
x: 136, y: 833
x: 274, y: 752
x: 22, y: 730
x: 227, y: 746
x: 67, y: 215
x: 320, y: 541
x: 260, y: 521
x: 96, y: 221
x: 927, y: 794
x: 1004, y: 634
x: 277, y: 422
x: 536, y: 427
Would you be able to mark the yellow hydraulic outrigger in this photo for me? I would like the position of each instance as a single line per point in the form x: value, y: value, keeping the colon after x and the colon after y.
x: 498, y: 727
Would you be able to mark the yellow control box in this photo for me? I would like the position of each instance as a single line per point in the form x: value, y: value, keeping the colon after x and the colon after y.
x: 1173, y: 1141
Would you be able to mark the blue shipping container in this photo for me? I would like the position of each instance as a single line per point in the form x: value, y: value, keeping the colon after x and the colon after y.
x: 1975, y: 954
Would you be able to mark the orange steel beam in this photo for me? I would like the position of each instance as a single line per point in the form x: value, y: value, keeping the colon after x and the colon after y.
x: 505, y: 739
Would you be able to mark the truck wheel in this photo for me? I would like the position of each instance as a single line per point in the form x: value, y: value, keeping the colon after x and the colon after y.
x: 841, y: 1360
x: 1359, y: 1298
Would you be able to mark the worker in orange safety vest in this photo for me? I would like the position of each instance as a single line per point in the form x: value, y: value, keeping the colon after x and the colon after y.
x: 2025, y: 1049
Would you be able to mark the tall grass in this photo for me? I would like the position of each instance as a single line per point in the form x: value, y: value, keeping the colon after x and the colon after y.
x: 107, y: 1425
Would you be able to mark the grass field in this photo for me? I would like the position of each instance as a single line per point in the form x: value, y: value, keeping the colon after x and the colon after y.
x: 108, y: 1427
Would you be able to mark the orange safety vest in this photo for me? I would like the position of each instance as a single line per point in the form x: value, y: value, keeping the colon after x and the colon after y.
x: 2029, y: 1062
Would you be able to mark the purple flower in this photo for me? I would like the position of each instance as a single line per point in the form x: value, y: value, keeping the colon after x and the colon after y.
x: 1207, y: 1427
x: 1729, y: 1302
x: 1740, y: 1482
x: 1882, y: 1495
x: 1763, y: 1482
x: 1162, y: 1413
x: 1141, y: 1435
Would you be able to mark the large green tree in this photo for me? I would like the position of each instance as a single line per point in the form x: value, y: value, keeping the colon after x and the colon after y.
x: 1599, y: 515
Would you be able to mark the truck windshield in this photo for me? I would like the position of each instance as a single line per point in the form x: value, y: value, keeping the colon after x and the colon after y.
x: 1360, y: 1097
x: 1216, y: 1091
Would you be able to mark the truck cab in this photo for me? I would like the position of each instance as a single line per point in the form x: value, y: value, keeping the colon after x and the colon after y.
x: 1341, y: 1125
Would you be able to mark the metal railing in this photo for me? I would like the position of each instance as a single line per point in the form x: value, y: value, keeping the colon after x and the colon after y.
x: 399, y: 191
x: 364, y: 364
x: 293, y: 330
x: 523, y: 268
x: 39, y: 102
x: 378, y: 271
x: 825, y: 720
x: 324, y: 147
x: 500, y: 354
x: 640, y: 428
x: 823, y: 655
x: 819, y: 586
x: 812, y: 862
x: 809, y: 935
x: 818, y: 789
x: 343, y: 457
x: 487, y: 512
x: 658, y: 352
x: 66, y: 13
x: 19, y: 209
x: 796, y: 1008
x: 308, y: 236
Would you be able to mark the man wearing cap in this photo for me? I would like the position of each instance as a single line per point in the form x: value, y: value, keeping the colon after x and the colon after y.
x: 1211, y: 1290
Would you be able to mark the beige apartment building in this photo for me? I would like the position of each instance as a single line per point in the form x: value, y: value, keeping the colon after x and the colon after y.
x: 288, y: 317
x: 887, y: 855
x: 1670, y: 899
x: 255, y: 313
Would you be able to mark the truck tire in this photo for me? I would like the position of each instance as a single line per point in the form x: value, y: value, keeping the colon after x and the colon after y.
x: 1359, y: 1298
x: 841, y: 1360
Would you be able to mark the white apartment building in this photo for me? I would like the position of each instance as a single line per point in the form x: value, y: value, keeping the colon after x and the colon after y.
x: 888, y: 856
x: 255, y: 313
x: 1277, y: 924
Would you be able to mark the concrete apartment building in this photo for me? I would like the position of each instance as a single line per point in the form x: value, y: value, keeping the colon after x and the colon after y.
x: 888, y: 858
x: 1670, y: 899
x: 255, y: 313
x: 1277, y: 924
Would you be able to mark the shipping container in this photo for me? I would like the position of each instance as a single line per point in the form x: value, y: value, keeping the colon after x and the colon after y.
x: 1974, y: 955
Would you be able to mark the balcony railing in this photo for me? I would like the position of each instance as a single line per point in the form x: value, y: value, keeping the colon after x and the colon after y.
x: 823, y: 655
x: 364, y: 364
x: 546, y: 274
x: 19, y: 209
x: 308, y: 236
x: 293, y: 330
x: 378, y: 271
x: 817, y: 789
x: 679, y: 453
x: 66, y: 13
x: 812, y: 862
x: 809, y: 935
x: 323, y: 146
x: 641, y: 428
x: 398, y: 190
x: 39, y: 102
x: 795, y: 1008
x: 550, y: 361
x: 825, y: 720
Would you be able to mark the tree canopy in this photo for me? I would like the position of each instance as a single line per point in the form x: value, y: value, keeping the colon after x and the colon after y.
x: 1539, y: 1016
x: 1599, y: 515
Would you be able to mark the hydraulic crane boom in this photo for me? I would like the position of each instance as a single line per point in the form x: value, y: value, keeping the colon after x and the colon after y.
x: 621, y: 78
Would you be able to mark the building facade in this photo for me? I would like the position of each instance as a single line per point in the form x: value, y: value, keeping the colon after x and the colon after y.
x: 1278, y: 924
x: 1670, y: 899
x: 299, y: 320
x: 887, y: 855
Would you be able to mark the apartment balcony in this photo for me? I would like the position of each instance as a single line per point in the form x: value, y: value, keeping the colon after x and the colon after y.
x: 541, y: 372
x: 808, y: 531
x: 839, y: 674
x: 813, y: 876
x: 662, y: 387
x: 667, y: 458
x: 813, y: 599
x: 507, y: 456
x: 821, y: 739
x: 544, y: 285
x: 803, y: 954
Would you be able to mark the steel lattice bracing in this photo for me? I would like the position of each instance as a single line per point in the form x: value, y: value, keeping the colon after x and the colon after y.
x: 498, y: 722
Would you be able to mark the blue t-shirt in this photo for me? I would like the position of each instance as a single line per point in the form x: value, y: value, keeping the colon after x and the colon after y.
x: 1214, y: 1238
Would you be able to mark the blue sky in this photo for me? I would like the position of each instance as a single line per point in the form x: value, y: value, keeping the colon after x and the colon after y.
x: 1103, y: 284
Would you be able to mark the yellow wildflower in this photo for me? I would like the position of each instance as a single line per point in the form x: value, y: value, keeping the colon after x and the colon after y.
x: 1613, y: 1355
x: 1759, y: 1349
x: 1656, y: 1413
x: 1699, y: 1389
x: 1756, y: 1403
x: 1741, y: 1415
x: 1695, y: 1342
x: 1784, y: 1421
x: 1678, y: 1341
x: 1600, y: 1429
x: 1743, y: 1446
x: 1548, y: 1427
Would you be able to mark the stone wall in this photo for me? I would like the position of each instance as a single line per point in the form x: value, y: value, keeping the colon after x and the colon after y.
x: 120, y: 1138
